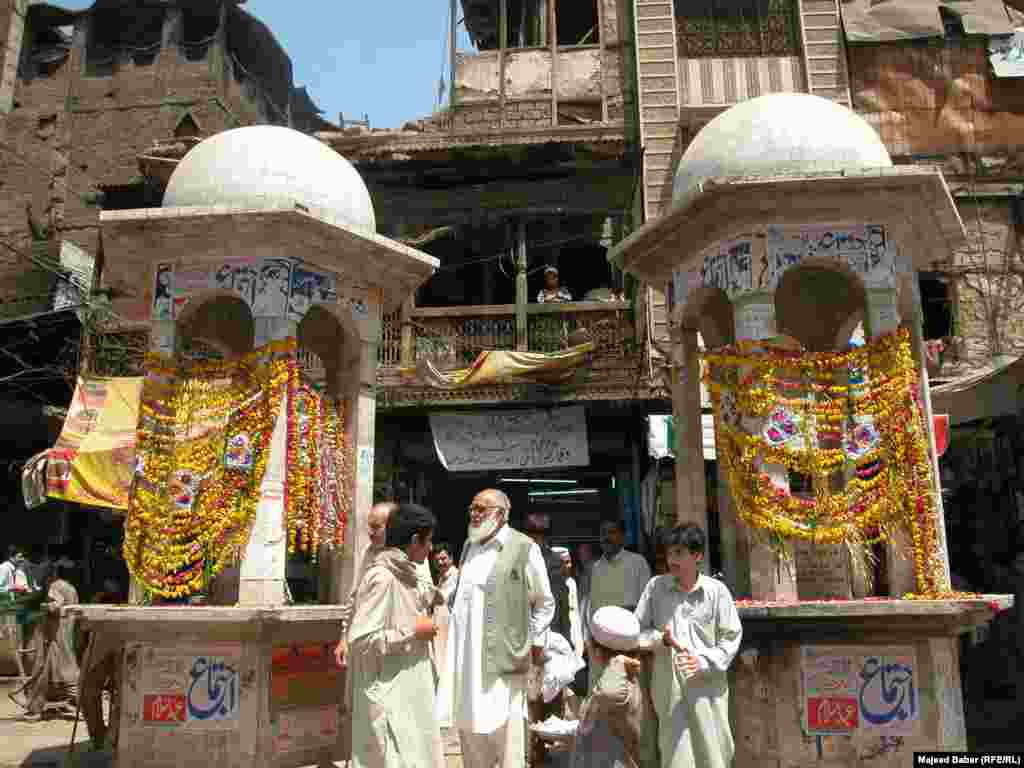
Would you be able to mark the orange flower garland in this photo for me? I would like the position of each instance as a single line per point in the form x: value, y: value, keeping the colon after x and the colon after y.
x: 203, y: 445
x: 819, y: 400
x: 318, y: 499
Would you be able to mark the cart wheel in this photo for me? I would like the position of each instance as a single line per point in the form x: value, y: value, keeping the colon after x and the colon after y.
x: 100, y: 700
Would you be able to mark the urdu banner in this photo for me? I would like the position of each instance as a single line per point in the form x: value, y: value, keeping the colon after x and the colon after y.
x: 527, y: 439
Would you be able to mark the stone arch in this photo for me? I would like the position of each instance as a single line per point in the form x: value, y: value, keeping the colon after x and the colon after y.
x: 710, y: 313
x: 220, y: 320
x: 331, y: 337
x: 819, y: 303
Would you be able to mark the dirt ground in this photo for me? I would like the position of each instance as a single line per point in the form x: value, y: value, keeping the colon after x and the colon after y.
x: 42, y: 744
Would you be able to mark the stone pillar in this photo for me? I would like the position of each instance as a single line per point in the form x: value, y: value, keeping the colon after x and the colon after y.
x: 262, y: 572
x: 361, y: 419
x: 691, y: 491
x: 522, y: 290
x: 772, y: 577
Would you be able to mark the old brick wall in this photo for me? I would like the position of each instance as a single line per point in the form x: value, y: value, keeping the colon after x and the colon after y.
x: 938, y: 99
x: 69, y: 135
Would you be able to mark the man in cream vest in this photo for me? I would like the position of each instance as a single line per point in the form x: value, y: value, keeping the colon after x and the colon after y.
x: 500, y: 613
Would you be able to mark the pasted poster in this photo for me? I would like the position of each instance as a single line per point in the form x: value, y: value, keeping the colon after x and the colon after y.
x: 310, y: 288
x: 272, y: 288
x: 238, y: 276
x: 163, y: 292
x: 188, y: 282
x: 880, y: 267
x: 523, y: 439
x: 715, y: 273
x: 189, y: 688
x: 842, y: 244
x: 738, y: 254
x: 850, y: 688
x: 784, y: 250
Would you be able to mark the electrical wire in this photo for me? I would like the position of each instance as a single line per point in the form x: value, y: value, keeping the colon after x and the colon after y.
x: 502, y: 254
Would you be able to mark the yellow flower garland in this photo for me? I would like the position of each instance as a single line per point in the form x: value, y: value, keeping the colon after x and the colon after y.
x: 896, y: 489
x: 203, y: 445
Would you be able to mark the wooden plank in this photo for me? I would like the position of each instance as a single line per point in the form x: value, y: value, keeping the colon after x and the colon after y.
x: 482, y: 310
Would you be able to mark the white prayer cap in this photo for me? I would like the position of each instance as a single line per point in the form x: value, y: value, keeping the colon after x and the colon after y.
x: 615, y: 628
x: 562, y: 552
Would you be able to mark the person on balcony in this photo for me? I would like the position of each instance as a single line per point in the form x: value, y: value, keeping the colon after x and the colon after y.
x: 552, y: 292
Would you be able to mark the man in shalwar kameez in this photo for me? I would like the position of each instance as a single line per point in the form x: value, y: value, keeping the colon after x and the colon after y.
x: 393, y: 720
x: 501, y: 611
x: 690, y: 623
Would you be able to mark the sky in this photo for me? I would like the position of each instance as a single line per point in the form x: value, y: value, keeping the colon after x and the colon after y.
x: 381, y: 58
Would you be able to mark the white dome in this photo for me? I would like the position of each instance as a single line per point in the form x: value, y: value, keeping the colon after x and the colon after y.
x: 267, y: 166
x: 779, y: 133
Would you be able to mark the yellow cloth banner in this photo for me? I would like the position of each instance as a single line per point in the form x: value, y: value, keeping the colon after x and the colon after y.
x: 93, y: 460
x: 504, y: 367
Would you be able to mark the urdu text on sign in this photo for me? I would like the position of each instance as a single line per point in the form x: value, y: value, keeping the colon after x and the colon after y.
x: 527, y: 439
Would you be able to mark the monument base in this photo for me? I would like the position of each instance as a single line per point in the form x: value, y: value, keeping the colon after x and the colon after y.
x: 846, y: 681
x: 230, y: 687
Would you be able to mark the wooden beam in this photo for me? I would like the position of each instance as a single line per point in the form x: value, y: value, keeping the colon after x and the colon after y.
x: 553, y: 23
x: 600, y: 62
x: 502, y: 35
x: 522, y: 289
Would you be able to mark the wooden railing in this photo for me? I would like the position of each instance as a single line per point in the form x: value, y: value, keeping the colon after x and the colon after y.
x: 452, y: 337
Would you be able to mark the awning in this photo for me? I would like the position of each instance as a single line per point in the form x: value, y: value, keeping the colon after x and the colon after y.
x: 876, y: 21
x: 992, y: 392
x: 93, y: 460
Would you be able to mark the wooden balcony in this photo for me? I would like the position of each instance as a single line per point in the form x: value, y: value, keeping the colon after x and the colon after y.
x: 452, y: 337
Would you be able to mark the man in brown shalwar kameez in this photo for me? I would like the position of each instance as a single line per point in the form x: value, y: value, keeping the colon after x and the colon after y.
x: 55, y: 677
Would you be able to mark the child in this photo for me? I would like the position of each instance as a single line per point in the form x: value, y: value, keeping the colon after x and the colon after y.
x: 690, y: 623
x: 611, y: 720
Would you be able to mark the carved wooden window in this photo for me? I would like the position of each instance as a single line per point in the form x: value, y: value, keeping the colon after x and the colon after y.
x: 724, y: 28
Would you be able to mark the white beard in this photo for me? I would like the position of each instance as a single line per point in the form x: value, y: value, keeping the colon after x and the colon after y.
x: 486, y: 529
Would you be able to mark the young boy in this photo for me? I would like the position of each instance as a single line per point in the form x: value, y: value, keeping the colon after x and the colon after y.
x: 611, y: 719
x: 689, y: 621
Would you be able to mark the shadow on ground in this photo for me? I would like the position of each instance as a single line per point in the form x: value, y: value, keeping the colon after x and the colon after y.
x: 63, y: 757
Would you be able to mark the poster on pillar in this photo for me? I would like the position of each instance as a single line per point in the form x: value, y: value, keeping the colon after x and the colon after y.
x: 527, y: 439
x: 272, y: 288
x: 188, y: 688
x: 848, y: 689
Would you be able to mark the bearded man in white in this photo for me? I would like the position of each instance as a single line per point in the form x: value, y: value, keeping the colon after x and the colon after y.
x: 500, y: 613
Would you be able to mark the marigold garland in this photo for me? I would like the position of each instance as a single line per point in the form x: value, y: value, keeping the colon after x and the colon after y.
x: 203, y: 445
x: 820, y: 400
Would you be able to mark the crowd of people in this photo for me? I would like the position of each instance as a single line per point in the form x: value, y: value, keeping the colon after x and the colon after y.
x: 462, y: 647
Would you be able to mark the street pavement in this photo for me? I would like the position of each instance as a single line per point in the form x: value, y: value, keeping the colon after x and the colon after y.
x: 43, y: 744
